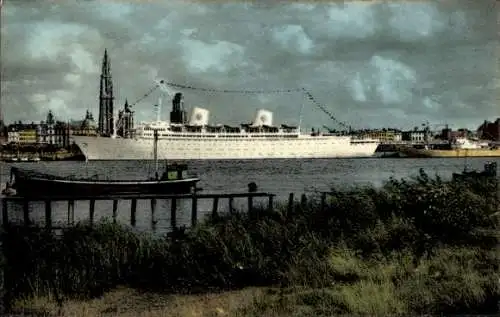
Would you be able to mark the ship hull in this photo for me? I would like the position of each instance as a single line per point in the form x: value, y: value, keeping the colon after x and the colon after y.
x: 34, y: 186
x: 224, y: 148
x: 410, y: 152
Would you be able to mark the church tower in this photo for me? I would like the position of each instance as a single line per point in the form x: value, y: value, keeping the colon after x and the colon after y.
x: 106, y: 119
x: 126, y: 118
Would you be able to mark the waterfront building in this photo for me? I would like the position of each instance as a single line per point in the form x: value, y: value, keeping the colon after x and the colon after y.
x: 45, y: 130
x: 13, y: 134
x: 384, y: 135
x: 489, y: 130
x: 22, y: 133
x: 85, y: 127
x: 415, y: 136
x: 126, y: 122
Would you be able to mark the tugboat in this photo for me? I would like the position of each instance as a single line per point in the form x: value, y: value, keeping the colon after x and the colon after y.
x: 172, y: 181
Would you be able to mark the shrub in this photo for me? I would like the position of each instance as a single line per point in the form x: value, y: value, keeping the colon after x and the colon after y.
x: 387, y: 242
x: 455, y: 280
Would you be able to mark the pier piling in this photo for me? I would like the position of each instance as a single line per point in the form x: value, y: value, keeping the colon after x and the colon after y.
x: 215, y: 207
x: 290, y: 202
x: 250, y: 203
x: 271, y: 203
x: 323, y: 201
x: 26, y: 212
x: 115, y: 209
x: 173, y: 213
x: 48, y: 214
x: 194, y: 198
x: 71, y: 212
x: 133, y: 212
x: 5, y: 214
x: 231, y: 201
x: 303, y: 200
x: 153, y: 212
x: 194, y: 210
x: 92, y: 211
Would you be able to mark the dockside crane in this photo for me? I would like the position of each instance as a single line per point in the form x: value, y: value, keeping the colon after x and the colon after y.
x: 165, y: 90
x: 158, y: 84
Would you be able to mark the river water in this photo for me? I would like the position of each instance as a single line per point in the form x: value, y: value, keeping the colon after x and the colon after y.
x: 280, y: 177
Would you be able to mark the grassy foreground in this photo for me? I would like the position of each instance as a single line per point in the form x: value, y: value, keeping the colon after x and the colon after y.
x: 412, y: 247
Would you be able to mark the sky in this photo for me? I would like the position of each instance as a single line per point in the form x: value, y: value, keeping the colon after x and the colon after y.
x: 383, y: 64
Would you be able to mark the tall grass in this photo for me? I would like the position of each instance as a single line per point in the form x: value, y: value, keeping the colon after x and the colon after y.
x: 409, y: 247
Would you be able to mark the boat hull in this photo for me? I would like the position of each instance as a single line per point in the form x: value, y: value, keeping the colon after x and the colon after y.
x: 33, y: 186
x: 460, y: 153
x: 224, y: 148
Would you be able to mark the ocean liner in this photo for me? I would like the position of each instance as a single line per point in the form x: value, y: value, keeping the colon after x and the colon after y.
x: 197, y: 139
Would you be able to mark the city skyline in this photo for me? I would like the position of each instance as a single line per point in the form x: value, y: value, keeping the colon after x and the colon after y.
x: 438, y: 128
x: 369, y: 64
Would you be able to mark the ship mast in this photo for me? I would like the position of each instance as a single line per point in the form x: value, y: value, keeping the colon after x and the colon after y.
x: 155, y: 151
x: 158, y: 109
x: 301, y: 114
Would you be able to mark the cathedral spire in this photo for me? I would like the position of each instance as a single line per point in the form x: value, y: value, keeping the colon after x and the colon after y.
x: 106, y: 98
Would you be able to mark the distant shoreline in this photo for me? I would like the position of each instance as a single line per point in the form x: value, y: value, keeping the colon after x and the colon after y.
x: 22, y: 155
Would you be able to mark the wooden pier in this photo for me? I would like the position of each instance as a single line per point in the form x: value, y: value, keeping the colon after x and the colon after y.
x: 174, y: 199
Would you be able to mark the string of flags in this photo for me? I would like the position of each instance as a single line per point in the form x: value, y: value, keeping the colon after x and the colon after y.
x: 309, y: 96
x: 277, y: 91
x: 144, y: 96
x: 320, y: 106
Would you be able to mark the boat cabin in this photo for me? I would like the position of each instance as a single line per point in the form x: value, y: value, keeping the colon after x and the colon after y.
x: 174, y: 171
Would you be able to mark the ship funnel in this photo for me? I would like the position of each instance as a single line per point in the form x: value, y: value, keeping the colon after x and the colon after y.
x: 178, y: 115
x: 263, y: 117
x: 199, y: 117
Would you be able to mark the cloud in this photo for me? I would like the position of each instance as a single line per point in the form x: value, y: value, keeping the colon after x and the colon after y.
x: 293, y: 38
x: 202, y: 57
x: 394, y: 80
x: 409, y: 62
x: 357, y: 88
x: 415, y: 20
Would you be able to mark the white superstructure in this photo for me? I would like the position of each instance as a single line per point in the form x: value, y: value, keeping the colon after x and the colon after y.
x: 197, y: 139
